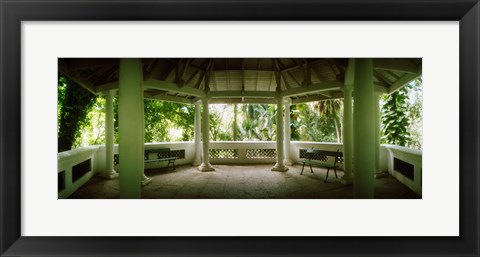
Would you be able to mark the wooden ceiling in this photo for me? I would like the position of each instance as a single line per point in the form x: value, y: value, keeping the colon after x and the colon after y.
x: 239, y: 80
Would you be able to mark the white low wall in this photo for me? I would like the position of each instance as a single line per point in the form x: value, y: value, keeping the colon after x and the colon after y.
x: 411, y: 156
x: 67, y: 160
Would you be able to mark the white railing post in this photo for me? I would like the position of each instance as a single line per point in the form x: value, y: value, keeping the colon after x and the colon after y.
x: 279, y: 166
x: 206, y: 166
x: 347, y: 177
x: 287, y: 160
x: 197, y: 134
x: 109, y: 172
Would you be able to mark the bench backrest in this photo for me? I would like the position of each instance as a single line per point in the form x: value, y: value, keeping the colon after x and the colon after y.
x: 322, y: 155
x: 161, y: 153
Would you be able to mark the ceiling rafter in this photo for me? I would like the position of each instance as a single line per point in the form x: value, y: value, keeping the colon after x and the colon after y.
x: 243, y: 74
x: 202, y: 75
x: 172, y: 87
x: 399, y: 65
x: 407, y: 78
x: 154, y: 69
x: 64, y: 68
x: 277, y: 75
x: 208, y: 74
x: 392, y: 74
x: 105, y: 75
x: 314, y: 88
x: 381, y: 79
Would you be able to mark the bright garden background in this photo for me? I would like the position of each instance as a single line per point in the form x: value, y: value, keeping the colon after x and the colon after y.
x: 81, y: 119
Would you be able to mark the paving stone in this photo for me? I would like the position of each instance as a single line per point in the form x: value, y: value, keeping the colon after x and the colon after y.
x: 241, y: 182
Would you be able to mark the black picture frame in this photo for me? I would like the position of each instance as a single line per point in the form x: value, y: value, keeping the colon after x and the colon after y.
x: 12, y: 13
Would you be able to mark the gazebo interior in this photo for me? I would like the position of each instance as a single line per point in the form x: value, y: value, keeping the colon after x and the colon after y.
x: 234, y: 170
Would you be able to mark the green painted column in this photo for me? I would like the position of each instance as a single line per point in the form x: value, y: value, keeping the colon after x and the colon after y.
x: 279, y: 166
x: 206, y: 166
x: 364, y: 129
x: 287, y: 134
x: 347, y: 178
x: 131, y: 128
x: 109, y: 172
x: 197, y: 134
x: 378, y: 172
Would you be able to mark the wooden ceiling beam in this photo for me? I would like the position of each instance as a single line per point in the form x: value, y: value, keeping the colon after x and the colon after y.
x: 202, y: 75
x: 242, y: 101
x: 399, y: 65
x: 107, y: 87
x: 106, y: 75
x: 75, y: 64
x: 314, y: 88
x: 207, y: 78
x: 168, y: 98
x: 64, y: 68
x: 407, y: 78
x: 258, y: 94
x: 173, y: 87
x: 307, y: 99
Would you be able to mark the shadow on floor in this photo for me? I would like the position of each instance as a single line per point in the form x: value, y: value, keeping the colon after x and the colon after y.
x: 243, y: 182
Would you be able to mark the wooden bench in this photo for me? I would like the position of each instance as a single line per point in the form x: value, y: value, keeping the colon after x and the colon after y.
x: 321, y: 160
x: 163, y: 154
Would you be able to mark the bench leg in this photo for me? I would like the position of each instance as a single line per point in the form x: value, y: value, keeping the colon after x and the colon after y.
x: 311, y: 170
x: 335, y: 173
x: 173, y: 163
x: 327, y: 175
x: 303, y: 166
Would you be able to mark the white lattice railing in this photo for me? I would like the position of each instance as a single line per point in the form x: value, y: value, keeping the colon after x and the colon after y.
x: 225, y: 152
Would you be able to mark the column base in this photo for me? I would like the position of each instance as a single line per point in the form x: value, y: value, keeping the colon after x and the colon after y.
x: 146, y: 180
x: 206, y: 167
x: 288, y: 162
x: 196, y: 163
x: 380, y: 174
x: 279, y: 167
x: 346, y: 180
x: 108, y: 174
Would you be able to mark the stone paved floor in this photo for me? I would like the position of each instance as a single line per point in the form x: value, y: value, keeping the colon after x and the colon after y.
x: 242, y: 182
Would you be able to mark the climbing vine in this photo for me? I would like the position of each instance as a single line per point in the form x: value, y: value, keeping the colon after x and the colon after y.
x: 74, y: 103
x: 395, y: 121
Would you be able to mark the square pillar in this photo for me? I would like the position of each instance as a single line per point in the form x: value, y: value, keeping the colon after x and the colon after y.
x: 364, y: 129
x: 131, y: 128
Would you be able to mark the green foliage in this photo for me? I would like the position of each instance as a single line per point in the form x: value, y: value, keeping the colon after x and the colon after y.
x: 308, y: 124
x: 258, y: 122
x: 93, y: 132
x: 395, y: 121
x: 74, y: 103
x: 168, y: 121
x: 332, y: 110
x: 415, y: 114
x: 82, y: 120
x: 221, y: 122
